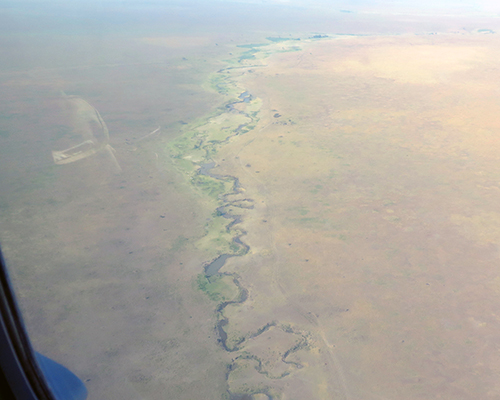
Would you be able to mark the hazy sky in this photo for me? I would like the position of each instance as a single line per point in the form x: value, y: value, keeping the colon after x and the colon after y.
x: 90, y: 16
x: 397, y: 5
x: 428, y: 7
x: 459, y: 6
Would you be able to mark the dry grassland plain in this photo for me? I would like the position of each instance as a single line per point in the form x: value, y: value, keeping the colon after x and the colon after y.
x: 101, y: 259
x: 374, y: 236
x: 350, y: 183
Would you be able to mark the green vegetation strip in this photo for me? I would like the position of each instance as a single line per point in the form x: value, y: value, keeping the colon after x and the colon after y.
x: 192, y: 152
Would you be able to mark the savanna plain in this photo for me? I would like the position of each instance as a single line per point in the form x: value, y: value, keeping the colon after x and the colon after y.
x: 299, y: 216
x: 374, y: 176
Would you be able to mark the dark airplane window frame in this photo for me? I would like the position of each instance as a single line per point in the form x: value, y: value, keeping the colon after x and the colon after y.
x: 22, y: 376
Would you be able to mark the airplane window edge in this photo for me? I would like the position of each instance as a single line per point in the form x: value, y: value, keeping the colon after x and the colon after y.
x: 27, y: 373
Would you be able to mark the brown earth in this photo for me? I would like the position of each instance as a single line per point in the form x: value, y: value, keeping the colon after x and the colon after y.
x: 377, y: 195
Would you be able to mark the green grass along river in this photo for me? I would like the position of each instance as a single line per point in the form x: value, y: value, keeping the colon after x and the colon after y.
x: 192, y: 154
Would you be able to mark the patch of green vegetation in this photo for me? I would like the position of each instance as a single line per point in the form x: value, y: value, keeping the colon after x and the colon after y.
x: 219, y: 83
x: 248, y: 55
x: 217, y: 240
x: 181, y: 145
x: 186, y: 165
x: 218, y: 288
x: 234, y: 247
x: 209, y: 186
x: 254, y: 106
x: 217, y: 213
x: 222, y: 127
x: 234, y: 339
x: 200, y: 141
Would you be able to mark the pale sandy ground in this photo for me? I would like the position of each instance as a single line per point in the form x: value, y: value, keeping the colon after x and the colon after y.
x: 375, y: 230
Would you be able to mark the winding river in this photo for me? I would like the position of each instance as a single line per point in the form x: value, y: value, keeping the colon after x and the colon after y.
x: 215, y: 267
